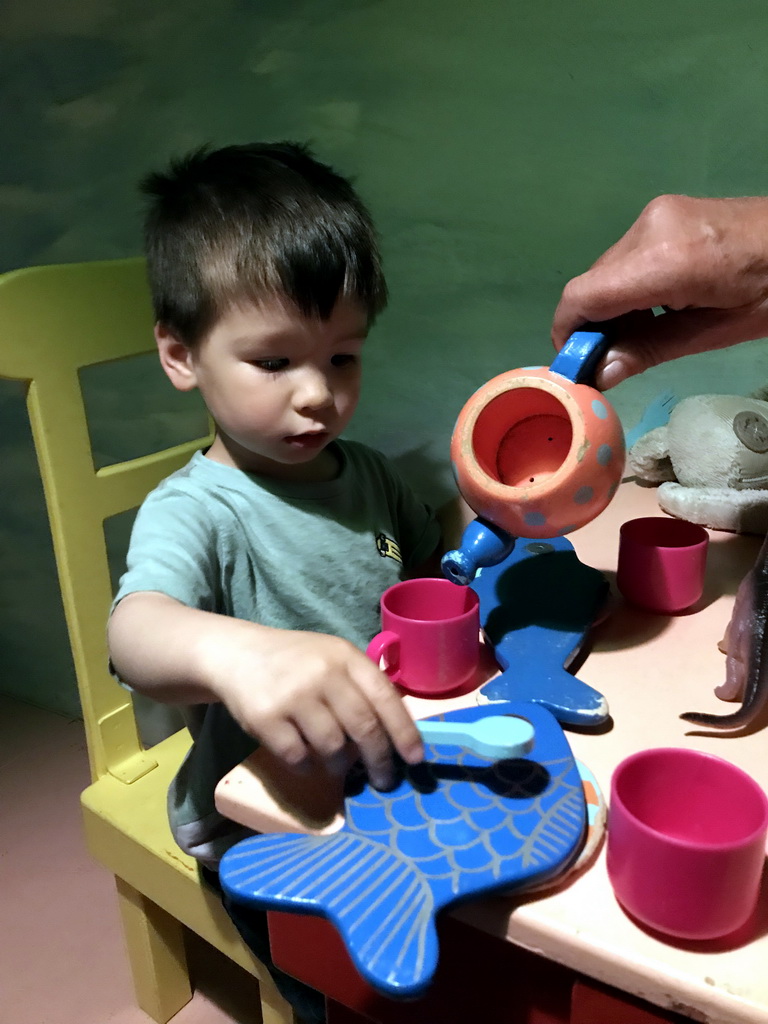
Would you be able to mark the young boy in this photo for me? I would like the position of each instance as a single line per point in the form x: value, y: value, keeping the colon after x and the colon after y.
x: 254, y: 573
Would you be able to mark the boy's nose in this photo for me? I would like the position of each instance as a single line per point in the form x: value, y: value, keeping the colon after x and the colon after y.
x: 314, y: 392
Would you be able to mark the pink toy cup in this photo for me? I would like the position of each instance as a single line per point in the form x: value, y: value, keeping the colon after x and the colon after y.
x: 430, y: 640
x: 686, y: 842
x: 662, y: 563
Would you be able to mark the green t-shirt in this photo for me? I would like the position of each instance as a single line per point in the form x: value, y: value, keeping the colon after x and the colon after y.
x: 289, y: 554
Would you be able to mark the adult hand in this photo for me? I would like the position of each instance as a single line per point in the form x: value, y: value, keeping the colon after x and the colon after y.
x: 746, y: 670
x: 705, y: 261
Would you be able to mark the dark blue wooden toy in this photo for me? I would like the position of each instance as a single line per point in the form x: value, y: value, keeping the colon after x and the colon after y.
x: 536, y: 607
x: 455, y: 827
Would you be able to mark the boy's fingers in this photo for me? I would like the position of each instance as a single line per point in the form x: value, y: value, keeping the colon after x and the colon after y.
x: 321, y: 730
x: 374, y: 717
x: 284, y: 740
x: 360, y: 721
x: 396, y: 719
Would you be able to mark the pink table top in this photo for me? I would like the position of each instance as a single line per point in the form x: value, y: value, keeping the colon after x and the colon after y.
x: 650, y: 669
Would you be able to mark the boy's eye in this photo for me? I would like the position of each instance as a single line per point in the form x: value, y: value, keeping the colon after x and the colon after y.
x: 343, y: 359
x: 271, y: 365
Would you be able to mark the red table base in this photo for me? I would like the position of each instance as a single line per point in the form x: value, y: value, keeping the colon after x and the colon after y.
x: 479, y: 978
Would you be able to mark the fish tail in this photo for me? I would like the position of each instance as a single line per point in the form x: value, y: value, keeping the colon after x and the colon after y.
x: 571, y: 701
x: 381, y: 904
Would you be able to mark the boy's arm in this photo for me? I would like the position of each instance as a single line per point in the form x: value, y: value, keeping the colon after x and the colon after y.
x: 294, y: 691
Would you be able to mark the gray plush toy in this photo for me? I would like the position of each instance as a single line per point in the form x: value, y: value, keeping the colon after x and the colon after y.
x: 711, y: 461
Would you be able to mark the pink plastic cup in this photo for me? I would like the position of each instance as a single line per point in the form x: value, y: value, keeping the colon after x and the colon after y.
x: 430, y: 639
x: 686, y: 842
x: 662, y: 563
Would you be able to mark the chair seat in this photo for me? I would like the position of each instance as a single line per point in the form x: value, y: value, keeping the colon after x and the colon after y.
x: 126, y: 827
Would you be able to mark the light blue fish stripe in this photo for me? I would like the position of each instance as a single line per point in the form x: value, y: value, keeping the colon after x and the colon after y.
x: 406, y: 869
x: 365, y: 893
x: 563, y: 806
x: 386, y: 922
x: 271, y: 849
x: 370, y: 862
x: 338, y: 854
x: 276, y: 860
x: 417, y: 931
x: 420, y: 906
x: 292, y: 852
x: 408, y: 939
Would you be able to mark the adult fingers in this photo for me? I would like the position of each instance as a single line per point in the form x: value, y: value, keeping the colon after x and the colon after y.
x: 678, y: 333
x: 607, y: 292
x: 735, y: 674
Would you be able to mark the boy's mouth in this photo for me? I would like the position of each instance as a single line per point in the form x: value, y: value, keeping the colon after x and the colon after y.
x: 312, y: 439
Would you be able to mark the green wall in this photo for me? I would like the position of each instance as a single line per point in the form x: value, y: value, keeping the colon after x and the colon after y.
x: 501, y: 145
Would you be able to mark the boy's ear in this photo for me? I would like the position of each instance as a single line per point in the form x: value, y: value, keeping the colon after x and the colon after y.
x: 176, y: 359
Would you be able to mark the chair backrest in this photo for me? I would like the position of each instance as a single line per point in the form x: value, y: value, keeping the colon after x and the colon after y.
x: 55, y: 321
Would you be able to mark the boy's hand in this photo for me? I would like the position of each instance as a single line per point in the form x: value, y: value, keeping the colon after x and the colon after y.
x: 300, y: 692
x: 296, y: 692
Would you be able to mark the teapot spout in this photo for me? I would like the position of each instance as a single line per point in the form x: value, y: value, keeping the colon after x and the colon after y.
x: 482, y: 544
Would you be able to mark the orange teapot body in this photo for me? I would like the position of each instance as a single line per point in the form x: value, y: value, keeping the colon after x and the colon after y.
x: 536, y: 452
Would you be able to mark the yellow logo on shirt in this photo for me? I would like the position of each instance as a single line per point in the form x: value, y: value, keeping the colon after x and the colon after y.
x: 388, y: 548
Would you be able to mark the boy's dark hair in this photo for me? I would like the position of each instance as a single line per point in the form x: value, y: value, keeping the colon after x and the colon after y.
x: 254, y: 223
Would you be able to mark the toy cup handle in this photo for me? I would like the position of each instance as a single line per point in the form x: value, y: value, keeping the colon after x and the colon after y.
x: 382, y: 646
x: 579, y: 356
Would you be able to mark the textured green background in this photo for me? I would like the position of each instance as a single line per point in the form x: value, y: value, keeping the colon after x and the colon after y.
x: 501, y: 145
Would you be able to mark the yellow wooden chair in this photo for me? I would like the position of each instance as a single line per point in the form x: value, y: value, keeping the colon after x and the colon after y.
x: 53, y: 322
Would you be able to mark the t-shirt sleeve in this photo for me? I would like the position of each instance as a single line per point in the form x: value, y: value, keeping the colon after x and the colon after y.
x: 172, y: 551
x: 417, y: 525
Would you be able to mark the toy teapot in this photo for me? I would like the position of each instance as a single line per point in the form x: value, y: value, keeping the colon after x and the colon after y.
x: 537, y: 453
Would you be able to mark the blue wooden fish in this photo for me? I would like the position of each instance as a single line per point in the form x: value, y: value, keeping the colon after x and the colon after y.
x: 455, y: 827
x: 536, y: 607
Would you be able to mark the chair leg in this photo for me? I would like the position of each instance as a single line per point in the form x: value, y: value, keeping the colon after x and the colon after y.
x: 155, y: 942
x: 275, y: 1009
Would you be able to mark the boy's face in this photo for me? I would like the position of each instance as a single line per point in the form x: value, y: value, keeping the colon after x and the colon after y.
x: 279, y: 386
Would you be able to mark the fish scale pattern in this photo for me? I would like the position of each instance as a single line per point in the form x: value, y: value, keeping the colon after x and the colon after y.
x: 456, y: 826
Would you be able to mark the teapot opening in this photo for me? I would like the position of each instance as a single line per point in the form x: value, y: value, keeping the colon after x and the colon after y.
x: 522, y: 437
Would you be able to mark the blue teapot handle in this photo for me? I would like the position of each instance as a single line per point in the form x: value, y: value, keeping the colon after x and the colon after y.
x: 579, y: 356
